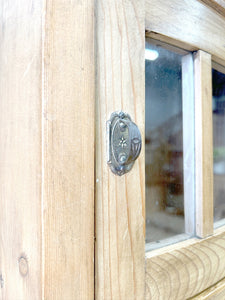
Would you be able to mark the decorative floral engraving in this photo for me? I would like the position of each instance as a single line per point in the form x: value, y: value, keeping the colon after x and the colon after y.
x: 123, y: 142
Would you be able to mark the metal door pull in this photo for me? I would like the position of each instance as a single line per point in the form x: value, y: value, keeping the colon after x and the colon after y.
x: 124, y: 143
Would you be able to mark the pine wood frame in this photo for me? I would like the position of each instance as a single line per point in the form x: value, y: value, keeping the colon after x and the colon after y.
x: 47, y: 149
x: 187, y: 268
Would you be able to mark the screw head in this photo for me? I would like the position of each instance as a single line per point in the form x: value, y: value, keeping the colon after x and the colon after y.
x: 122, y: 126
x: 122, y: 158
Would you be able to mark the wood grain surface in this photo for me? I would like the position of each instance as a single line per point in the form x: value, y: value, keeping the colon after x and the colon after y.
x: 20, y: 150
x: 68, y: 145
x: 216, y: 292
x: 190, y: 22
x: 203, y: 144
x: 120, y: 207
x: 185, y: 269
x: 47, y: 150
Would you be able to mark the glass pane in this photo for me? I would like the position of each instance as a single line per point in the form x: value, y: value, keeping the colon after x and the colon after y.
x: 219, y: 143
x: 163, y: 143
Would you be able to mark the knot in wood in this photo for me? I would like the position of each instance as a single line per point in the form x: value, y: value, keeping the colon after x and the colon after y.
x: 23, y: 266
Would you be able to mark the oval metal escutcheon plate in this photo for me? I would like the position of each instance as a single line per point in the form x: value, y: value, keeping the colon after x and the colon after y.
x: 124, y: 143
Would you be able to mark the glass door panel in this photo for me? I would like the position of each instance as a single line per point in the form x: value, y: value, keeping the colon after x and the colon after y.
x: 164, y: 141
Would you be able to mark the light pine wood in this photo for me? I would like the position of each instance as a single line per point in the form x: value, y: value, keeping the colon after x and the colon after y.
x: 218, y: 67
x: 216, y: 292
x: 190, y: 22
x: 120, y: 207
x: 185, y: 269
x: 203, y: 144
x: 188, y: 111
x: 47, y: 150
x: 217, y: 5
x: 68, y: 145
x: 20, y: 150
x: 178, y: 46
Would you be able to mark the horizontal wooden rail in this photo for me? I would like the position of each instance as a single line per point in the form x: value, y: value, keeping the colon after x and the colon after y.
x: 191, y: 24
x: 185, y: 269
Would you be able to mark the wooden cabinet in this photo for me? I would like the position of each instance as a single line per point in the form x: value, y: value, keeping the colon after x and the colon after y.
x: 70, y: 228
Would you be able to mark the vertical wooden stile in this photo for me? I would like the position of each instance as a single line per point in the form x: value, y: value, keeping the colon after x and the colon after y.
x: 68, y: 145
x: 20, y: 149
x: 188, y: 142
x: 204, y: 144
x: 120, y: 207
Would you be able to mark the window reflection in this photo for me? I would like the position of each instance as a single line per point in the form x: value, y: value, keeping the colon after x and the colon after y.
x: 219, y: 143
x: 164, y: 143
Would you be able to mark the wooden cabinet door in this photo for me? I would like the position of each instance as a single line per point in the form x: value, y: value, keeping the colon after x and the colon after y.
x: 123, y: 270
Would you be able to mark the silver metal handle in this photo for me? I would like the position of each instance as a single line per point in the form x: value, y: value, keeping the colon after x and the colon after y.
x: 124, y: 143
